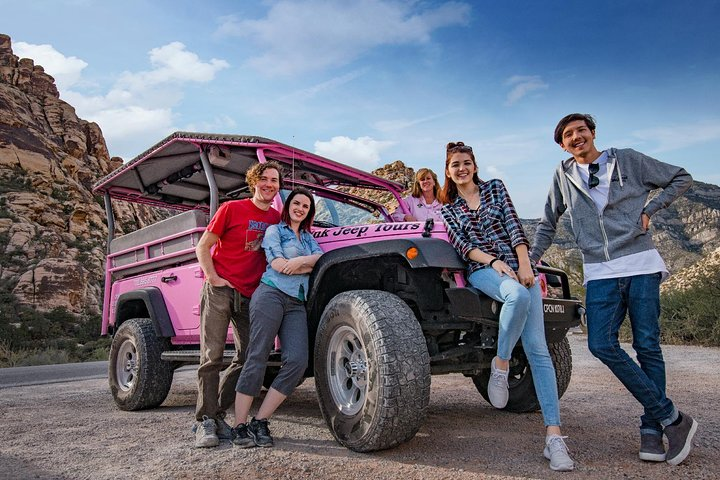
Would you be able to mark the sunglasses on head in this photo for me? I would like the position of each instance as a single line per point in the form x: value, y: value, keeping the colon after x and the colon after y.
x: 459, y: 147
x: 593, y: 169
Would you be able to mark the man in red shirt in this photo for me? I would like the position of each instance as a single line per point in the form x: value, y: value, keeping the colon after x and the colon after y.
x: 232, y: 272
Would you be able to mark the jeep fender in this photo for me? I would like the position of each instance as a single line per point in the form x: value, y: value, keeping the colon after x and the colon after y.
x: 431, y: 252
x: 145, y: 303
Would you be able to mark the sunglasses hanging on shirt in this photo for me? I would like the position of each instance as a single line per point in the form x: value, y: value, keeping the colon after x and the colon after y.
x: 593, y: 181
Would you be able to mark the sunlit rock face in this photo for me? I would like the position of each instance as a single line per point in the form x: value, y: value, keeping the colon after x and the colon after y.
x: 52, y: 229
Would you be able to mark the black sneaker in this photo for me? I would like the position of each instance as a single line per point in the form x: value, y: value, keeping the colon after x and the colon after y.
x: 680, y: 439
x: 260, y: 433
x: 224, y: 431
x: 241, y: 436
x: 652, y: 448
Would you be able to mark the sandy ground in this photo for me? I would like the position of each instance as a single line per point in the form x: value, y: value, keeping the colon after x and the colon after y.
x: 74, y: 431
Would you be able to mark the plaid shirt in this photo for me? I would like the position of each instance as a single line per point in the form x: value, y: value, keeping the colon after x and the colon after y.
x: 494, y: 228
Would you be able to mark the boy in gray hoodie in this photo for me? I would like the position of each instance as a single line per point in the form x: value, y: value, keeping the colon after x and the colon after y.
x: 606, y: 196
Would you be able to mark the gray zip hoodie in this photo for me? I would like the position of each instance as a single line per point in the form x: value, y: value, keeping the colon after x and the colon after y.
x: 617, y: 230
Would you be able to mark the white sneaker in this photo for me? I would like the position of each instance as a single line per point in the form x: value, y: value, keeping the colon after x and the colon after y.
x: 557, y: 452
x: 206, y: 433
x: 498, y: 386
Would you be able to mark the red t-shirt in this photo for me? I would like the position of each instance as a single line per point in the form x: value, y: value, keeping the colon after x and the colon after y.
x: 238, y: 256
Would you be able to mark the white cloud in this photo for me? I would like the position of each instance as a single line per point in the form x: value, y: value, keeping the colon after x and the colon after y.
x: 363, y: 152
x: 134, y: 120
x: 65, y: 70
x: 138, y: 108
x: 494, y: 172
x: 523, y: 85
x: 172, y: 63
x: 304, y: 36
x: 677, y: 137
x: 219, y: 124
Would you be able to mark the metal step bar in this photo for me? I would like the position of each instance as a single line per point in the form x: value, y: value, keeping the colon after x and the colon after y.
x: 193, y: 356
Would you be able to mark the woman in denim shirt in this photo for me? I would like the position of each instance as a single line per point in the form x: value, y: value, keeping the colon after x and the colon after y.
x: 278, y: 308
x: 484, y: 228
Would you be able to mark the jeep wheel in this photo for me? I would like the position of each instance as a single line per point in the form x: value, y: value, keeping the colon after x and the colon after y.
x: 520, y: 381
x: 372, y: 370
x: 138, y: 377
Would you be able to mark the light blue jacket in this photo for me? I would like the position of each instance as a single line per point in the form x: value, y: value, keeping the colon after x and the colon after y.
x: 617, y: 230
x: 281, y: 242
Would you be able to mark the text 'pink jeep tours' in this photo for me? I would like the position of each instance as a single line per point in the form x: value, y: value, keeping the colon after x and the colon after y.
x: 388, y: 305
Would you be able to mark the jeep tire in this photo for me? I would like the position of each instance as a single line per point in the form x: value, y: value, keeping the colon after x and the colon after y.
x: 138, y: 377
x: 372, y: 370
x: 520, y: 381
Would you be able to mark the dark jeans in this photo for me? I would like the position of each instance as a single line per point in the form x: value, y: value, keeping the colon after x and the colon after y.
x: 608, y: 302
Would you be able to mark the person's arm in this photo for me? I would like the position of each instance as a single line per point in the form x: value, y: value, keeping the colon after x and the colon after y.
x: 525, y: 272
x: 301, y: 265
x: 204, y: 256
x: 674, y: 181
x: 546, y: 229
x: 273, y: 248
x: 304, y: 264
x: 401, y: 216
x: 513, y: 226
x: 458, y: 238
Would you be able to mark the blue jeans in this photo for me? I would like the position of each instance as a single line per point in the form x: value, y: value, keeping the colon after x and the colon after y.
x: 521, y: 317
x: 608, y: 301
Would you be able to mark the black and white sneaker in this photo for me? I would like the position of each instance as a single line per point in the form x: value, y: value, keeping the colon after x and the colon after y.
x: 241, y: 436
x: 260, y: 432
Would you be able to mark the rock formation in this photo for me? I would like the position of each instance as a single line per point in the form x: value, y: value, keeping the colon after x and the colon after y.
x: 52, y: 229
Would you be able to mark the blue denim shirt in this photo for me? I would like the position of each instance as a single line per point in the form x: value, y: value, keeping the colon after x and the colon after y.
x: 280, y: 242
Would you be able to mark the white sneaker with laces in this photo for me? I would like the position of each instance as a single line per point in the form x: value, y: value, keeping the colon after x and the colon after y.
x: 498, y: 386
x: 206, y: 433
x: 557, y: 452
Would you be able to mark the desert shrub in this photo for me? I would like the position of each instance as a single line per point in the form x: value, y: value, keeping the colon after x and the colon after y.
x: 9, y: 357
x: 693, y: 315
x: 30, y: 337
x: 689, y: 317
x: 46, y: 356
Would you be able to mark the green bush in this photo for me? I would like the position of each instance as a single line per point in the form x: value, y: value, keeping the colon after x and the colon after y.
x: 30, y: 337
x: 692, y: 316
x: 689, y: 317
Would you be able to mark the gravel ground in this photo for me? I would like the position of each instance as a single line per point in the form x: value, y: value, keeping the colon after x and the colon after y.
x: 74, y: 431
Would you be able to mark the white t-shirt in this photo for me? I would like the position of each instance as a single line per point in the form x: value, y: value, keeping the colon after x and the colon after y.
x: 641, y: 263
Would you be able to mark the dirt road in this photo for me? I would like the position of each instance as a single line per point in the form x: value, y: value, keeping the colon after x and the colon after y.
x: 74, y: 431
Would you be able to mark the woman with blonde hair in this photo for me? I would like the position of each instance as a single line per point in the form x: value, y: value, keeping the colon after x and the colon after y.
x: 423, y: 201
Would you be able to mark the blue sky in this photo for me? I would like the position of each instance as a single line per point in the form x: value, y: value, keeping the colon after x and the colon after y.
x: 374, y: 81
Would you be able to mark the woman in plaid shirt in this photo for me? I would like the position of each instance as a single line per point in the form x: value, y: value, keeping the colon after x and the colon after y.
x: 484, y: 228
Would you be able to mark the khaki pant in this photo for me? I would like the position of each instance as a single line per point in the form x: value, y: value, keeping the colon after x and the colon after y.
x: 218, y: 307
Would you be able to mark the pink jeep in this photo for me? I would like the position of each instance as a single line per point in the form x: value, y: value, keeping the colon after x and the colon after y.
x: 388, y: 305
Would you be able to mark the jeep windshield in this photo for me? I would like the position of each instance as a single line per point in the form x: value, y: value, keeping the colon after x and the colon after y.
x: 335, y: 208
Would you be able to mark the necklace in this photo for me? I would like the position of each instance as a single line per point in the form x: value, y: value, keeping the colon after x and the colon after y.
x: 472, y: 199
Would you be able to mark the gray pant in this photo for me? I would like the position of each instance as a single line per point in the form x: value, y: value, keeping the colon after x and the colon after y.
x: 272, y: 313
x: 218, y: 307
